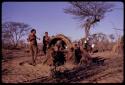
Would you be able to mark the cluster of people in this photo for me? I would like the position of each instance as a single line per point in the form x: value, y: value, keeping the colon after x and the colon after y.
x: 32, y: 39
x: 89, y: 46
x: 58, y: 56
x: 59, y: 49
x: 82, y: 49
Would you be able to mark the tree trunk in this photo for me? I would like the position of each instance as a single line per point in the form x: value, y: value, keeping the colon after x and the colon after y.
x: 87, y: 32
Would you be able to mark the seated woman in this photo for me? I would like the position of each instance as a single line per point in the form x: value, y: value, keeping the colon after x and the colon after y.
x: 58, y: 55
x: 78, y: 55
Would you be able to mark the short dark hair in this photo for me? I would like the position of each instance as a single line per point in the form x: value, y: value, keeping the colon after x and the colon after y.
x: 46, y: 32
x: 33, y: 30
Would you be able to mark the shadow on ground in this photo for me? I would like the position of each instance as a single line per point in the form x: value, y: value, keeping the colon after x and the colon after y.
x: 76, y: 74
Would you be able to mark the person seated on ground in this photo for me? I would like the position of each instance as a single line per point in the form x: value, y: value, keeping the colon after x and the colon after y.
x: 85, y: 44
x: 77, y: 56
x: 58, y: 55
x: 46, y: 40
x: 85, y: 57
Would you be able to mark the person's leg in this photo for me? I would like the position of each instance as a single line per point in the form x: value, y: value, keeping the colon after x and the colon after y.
x: 47, y: 46
x: 31, y: 52
x: 44, y: 48
x: 35, y: 49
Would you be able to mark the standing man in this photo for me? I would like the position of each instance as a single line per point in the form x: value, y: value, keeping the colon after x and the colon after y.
x: 46, y: 40
x: 33, y: 45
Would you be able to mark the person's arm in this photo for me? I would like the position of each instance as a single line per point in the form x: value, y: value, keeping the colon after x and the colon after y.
x: 48, y: 39
x: 30, y: 37
x: 43, y: 39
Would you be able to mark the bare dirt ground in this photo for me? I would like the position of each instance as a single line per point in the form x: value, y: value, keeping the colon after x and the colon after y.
x: 106, y: 67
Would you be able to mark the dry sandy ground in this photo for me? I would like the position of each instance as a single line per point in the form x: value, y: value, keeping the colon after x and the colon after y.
x: 108, y: 71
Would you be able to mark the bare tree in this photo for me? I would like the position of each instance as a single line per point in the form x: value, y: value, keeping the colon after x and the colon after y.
x: 112, y: 37
x: 12, y: 32
x: 21, y: 43
x: 99, y: 37
x: 101, y: 41
x: 89, y: 12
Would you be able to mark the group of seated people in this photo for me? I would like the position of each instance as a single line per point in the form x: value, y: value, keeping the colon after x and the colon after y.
x: 60, y: 53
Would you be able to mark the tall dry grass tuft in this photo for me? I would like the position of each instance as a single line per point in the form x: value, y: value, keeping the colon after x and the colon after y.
x: 118, y: 47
